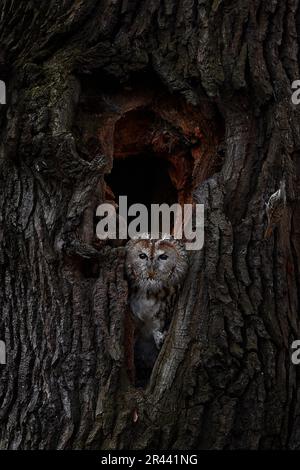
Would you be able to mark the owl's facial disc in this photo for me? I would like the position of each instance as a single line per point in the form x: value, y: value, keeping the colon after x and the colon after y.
x: 155, y: 264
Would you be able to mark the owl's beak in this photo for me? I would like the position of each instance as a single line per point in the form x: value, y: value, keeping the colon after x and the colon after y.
x: 151, y: 275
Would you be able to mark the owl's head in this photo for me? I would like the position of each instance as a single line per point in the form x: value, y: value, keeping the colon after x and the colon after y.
x: 156, y: 263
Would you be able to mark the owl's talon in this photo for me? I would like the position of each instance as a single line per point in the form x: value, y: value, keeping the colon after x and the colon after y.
x: 159, y: 338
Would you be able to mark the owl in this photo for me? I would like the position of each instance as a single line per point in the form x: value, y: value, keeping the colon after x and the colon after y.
x: 155, y: 271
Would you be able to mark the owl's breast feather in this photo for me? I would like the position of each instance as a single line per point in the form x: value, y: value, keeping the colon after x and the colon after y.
x: 145, y: 308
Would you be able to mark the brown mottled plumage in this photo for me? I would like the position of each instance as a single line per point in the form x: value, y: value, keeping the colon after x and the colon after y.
x: 155, y: 270
x: 275, y: 208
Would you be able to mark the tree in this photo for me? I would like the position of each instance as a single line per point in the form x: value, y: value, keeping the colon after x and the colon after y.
x: 224, y: 378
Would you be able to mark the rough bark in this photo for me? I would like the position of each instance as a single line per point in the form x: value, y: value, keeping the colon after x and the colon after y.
x: 224, y: 378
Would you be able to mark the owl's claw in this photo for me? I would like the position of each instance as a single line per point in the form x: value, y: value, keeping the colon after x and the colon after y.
x: 159, y: 338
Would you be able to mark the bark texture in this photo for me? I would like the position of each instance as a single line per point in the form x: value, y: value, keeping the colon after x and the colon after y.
x: 224, y: 378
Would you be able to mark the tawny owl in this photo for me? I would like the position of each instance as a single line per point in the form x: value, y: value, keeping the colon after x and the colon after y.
x: 155, y: 270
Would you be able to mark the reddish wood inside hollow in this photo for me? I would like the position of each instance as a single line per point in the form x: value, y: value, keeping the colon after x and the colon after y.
x: 145, y: 125
x: 141, y: 121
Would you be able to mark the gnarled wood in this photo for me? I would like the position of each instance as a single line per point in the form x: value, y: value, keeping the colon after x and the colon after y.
x: 224, y: 378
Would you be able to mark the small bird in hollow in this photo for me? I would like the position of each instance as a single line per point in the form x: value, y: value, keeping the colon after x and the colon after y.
x: 275, y: 208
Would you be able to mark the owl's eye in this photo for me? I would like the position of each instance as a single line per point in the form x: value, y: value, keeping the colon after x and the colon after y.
x: 163, y: 256
x: 143, y: 256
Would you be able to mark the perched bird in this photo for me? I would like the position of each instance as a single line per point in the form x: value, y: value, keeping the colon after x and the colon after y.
x: 275, y: 208
x: 155, y: 271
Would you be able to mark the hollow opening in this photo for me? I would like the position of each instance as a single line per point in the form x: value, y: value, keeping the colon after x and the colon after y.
x: 158, y: 149
x: 144, y: 179
x: 145, y: 354
x: 152, y: 164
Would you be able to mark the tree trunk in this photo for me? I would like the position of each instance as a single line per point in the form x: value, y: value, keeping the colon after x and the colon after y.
x: 85, y: 83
